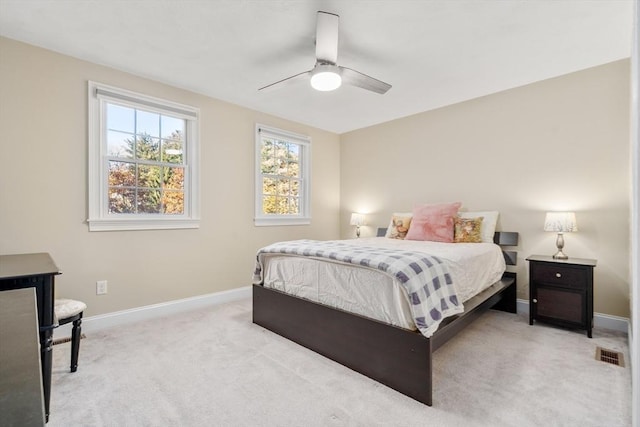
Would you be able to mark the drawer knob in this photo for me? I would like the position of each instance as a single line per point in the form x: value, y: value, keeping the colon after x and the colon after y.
x: 535, y: 300
x: 558, y: 275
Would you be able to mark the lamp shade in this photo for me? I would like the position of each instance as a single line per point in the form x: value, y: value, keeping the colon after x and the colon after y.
x: 560, y: 222
x: 357, y: 219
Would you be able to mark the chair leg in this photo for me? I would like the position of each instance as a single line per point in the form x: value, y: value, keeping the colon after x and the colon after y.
x: 75, y: 343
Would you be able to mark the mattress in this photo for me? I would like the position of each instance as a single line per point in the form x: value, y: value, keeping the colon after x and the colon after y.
x: 371, y: 293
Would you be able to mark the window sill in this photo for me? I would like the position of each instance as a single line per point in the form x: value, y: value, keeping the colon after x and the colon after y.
x: 131, y: 224
x: 266, y: 222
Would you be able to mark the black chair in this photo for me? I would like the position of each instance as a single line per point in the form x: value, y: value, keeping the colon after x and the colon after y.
x: 67, y: 311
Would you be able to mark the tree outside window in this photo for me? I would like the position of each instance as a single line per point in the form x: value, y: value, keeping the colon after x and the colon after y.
x: 146, y: 169
x: 282, y: 183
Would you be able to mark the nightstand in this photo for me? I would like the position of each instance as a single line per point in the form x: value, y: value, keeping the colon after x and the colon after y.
x: 561, y: 291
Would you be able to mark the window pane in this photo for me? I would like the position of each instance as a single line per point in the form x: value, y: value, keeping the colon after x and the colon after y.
x: 282, y: 204
x: 295, y: 187
x: 281, y: 150
x: 149, y: 201
x: 149, y: 176
x: 267, y: 162
x: 122, y: 174
x: 283, y: 187
x: 294, y: 205
x: 148, y: 148
x: 120, y: 118
x: 172, y: 128
x: 173, y: 202
x: 147, y: 123
x: 293, y: 169
x: 269, y: 205
x: 121, y: 200
x: 268, y: 186
x: 172, y: 151
x: 120, y: 144
x: 174, y: 178
x: 267, y: 147
x: 268, y: 165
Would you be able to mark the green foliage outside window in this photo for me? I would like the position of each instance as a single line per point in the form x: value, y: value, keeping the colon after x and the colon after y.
x: 280, y: 168
x: 146, y: 170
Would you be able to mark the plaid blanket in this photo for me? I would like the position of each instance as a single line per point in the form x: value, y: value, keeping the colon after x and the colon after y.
x: 432, y: 296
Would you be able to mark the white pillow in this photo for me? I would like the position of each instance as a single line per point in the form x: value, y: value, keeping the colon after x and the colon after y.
x: 396, y: 214
x: 489, y: 221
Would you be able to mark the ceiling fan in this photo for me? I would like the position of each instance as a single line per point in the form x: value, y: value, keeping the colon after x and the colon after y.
x: 327, y: 75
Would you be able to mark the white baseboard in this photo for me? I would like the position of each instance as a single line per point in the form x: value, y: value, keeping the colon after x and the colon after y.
x: 118, y: 318
x: 600, y: 320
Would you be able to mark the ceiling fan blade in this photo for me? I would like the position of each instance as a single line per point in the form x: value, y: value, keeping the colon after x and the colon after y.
x: 327, y: 38
x: 356, y: 78
x: 288, y: 81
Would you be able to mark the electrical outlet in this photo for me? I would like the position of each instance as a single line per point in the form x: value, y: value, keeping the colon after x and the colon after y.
x: 101, y: 287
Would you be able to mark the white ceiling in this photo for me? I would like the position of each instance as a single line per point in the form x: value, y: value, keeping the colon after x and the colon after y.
x: 434, y: 52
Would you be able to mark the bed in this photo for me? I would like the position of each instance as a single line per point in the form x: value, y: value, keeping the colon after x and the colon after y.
x: 386, y: 350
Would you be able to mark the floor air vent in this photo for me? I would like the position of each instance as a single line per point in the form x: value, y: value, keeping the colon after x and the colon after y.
x: 67, y: 339
x: 609, y: 356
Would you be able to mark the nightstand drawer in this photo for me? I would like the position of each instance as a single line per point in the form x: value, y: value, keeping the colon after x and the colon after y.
x: 560, y: 275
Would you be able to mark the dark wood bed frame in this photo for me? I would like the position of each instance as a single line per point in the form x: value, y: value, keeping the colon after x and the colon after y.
x: 393, y: 356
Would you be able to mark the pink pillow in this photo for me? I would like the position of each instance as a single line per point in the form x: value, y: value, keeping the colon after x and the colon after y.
x: 433, y: 222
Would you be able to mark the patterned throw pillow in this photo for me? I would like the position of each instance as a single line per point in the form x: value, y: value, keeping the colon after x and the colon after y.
x: 399, y: 227
x: 433, y: 222
x: 489, y: 222
x: 468, y: 230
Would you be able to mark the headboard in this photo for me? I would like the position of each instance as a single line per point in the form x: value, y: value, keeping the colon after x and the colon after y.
x: 501, y: 238
x: 507, y: 238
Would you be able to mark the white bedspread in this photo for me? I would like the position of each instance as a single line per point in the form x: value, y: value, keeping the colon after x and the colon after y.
x: 371, y: 293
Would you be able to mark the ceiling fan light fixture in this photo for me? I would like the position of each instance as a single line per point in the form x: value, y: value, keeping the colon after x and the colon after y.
x: 325, y: 79
x: 327, y: 75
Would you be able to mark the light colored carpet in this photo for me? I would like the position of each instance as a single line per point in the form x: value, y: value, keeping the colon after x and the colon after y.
x: 213, y: 367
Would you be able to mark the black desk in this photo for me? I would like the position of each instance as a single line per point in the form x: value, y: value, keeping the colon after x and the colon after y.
x: 21, y: 396
x: 35, y: 271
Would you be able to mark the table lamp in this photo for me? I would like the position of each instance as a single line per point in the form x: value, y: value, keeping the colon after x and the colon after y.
x: 357, y: 219
x: 560, y: 222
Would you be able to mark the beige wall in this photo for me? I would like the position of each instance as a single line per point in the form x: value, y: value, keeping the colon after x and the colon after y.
x: 557, y: 144
x: 43, y: 188
x: 560, y: 144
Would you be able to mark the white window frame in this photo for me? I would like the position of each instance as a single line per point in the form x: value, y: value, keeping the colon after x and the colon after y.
x: 304, y: 217
x: 99, y: 217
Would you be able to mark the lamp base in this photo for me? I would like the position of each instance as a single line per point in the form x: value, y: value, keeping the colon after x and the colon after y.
x: 560, y: 245
x: 560, y: 255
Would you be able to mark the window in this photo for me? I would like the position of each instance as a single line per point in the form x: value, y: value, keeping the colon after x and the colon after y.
x: 282, y: 177
x: 143, y: 159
